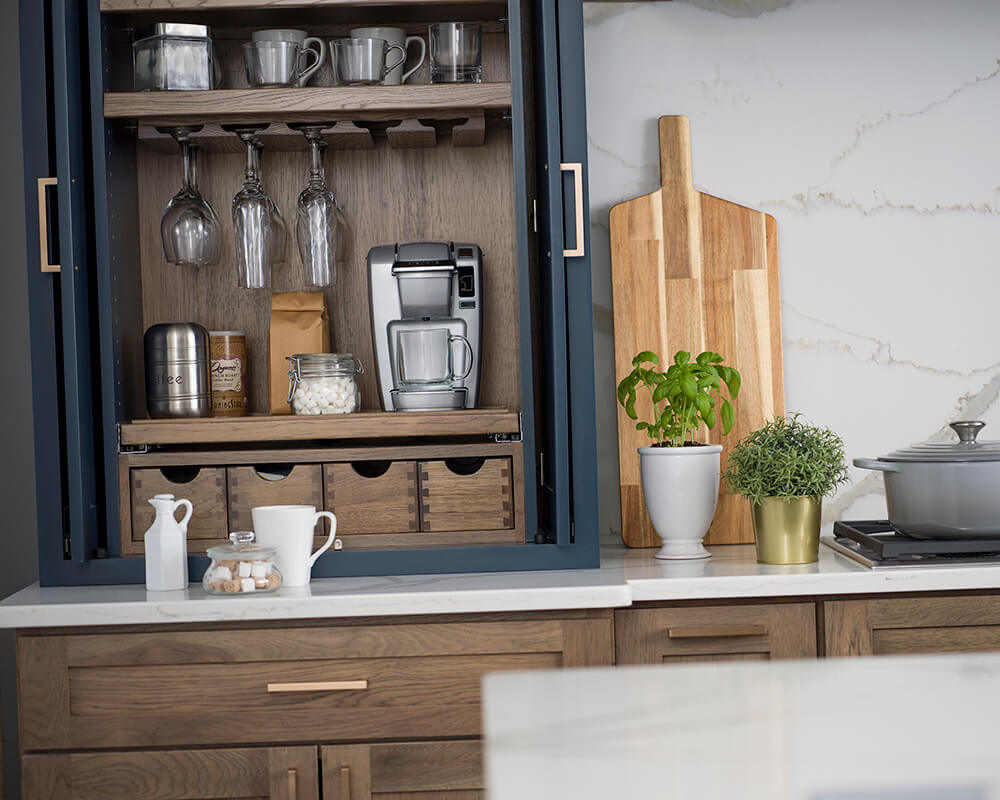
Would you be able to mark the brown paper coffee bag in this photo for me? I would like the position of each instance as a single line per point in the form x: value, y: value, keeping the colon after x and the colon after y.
x: 299, y: 324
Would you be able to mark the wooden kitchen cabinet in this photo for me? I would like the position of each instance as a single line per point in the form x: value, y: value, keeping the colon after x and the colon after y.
x: 394, y: 701
x: 451, y: 770
x: 678, y: 635
x: 968, y: 623
x: 274, y: 773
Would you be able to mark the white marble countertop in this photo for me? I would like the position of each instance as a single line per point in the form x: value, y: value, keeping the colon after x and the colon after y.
x: 625, y: 577
x: 840, y: 729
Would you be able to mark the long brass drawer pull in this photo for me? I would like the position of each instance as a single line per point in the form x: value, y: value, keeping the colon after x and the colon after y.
x: 293, y: 789
x: 43, y: 225
x: 577, y: 169
x: 317, y: 686
x: 717, y: 632
x: 345, y: 783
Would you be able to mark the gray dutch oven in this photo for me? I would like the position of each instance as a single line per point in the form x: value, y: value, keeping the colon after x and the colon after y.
x: 943, y: 490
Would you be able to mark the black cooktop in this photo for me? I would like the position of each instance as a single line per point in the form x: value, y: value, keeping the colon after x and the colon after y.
x: 875, y: 543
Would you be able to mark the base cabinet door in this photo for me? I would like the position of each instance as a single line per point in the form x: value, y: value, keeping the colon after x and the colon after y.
x: 451, y: 770
x: 715, y: 633
x: 271, y: 773
x: 912, y: 625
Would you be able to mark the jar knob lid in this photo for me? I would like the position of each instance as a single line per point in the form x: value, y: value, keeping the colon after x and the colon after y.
x: 241, y: 537
x: 968, y: 430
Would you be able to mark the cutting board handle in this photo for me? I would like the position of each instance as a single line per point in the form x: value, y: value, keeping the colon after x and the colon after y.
x: 675, y: 151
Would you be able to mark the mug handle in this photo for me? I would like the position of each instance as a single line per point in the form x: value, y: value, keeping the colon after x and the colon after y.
x: 387, y: 70
x: 190, y: 509
x: 463, y: 340
x: 318, y: 53
x: 423, y: 55
x: 330, y: 539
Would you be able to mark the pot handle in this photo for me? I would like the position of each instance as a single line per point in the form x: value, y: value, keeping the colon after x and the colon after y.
x: 874, y: 463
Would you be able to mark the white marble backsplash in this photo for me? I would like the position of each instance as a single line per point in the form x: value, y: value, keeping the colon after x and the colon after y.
x: 871, y: 131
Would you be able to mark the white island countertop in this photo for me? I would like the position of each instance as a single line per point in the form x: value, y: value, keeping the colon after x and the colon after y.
x: 625, y: 577
x: 920, y: 728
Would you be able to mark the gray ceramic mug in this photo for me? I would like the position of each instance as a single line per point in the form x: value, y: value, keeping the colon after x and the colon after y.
x: 362, y: 62
x: 397, y: 36
x: 307, y: 45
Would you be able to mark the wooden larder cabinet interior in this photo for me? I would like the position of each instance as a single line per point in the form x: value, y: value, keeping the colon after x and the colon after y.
x: 715, y: 633
x: 912, y: 625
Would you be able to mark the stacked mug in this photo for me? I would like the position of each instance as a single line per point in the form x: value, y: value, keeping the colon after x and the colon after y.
x: 374, y: 56
x: 281, y: 57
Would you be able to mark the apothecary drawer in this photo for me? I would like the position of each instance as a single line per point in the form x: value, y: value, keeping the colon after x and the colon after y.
x: 466, y: 494
x: 293, y: 684
x: 372, y: 496
x: 269, y: 485
x: 205, y: 487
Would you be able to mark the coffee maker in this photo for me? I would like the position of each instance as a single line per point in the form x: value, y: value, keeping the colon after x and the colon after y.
x: 426, y: 304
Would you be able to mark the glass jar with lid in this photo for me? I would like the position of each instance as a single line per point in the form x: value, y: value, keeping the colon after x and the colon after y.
x: 324, y: 383
x: 243, y: 566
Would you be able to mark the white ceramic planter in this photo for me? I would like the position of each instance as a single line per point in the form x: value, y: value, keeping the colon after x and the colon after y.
x: 681, y: 488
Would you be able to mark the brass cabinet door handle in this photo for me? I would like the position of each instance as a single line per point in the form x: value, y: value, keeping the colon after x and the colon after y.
x: 719, y: 631
x: 577, y: 169
x: 345, y: 783
x: 317, y: 686
x: 43, y: 225
x: 292, y: 783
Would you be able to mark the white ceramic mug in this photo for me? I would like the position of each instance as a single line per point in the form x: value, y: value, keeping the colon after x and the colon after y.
x: 398, y: 37
x: 290, y: 530
x: 307, y: 44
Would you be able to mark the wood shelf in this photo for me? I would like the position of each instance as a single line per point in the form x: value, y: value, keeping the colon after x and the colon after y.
x: 363, y: 425
x: 310, y: 104
x: 132, y: 6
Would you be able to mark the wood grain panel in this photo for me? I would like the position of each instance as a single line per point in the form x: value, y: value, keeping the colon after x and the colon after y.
x: 311, y: 104
x: 247, y: 488
x: 46, y: 777
x: 294, y: 773
x: 715, y: 657
x: 430, y: 766
x: 401, y: 682
x: 206, y: 491
x: 911, y: 641
x: 277, y: 644
x: 378, y: 505
x: 695, y: 272
x: 389, y: 196
x: 346, y: 772
x: 482, y: 500
x: 43, y: 691
x: 847, y: 628
x: 642, y: 634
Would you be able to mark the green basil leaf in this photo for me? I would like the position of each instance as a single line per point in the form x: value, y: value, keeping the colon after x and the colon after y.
x: 708, y: 357
x: 646, y: 355
x: 689, y: 386
x: 662, y: 391
x: 702, y: 403
x: 630, y: 407
x: 728, y: 417
x: 682, y: 357
x: 709, y: 419
x: 733, y: 383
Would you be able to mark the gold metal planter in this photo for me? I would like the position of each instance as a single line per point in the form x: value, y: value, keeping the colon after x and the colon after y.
x: 786, y: 530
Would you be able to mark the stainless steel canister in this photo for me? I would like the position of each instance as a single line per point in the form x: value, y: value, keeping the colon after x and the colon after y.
x: 177, y: 375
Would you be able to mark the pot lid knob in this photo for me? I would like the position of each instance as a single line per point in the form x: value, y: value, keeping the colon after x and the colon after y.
x: 968, y: 430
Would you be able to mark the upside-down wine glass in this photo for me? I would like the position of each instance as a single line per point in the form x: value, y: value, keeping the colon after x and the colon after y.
x: 189, y: 227
x: 279, y: 229
x: 317, y: 224
x: 252, y: 221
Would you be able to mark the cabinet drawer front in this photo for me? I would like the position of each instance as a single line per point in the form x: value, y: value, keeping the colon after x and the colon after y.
x: 715, y: 633
x: 372, y: 503
x: 327, y: 683
x: 481, y: 500
x: 206, y: 490
x: 302, y: 486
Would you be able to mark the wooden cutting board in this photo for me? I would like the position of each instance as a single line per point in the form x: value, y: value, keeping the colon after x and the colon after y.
x: 694, y: 272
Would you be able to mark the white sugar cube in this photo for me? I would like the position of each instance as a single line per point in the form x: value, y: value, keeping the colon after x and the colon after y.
x: 247, y: 585
x: 245, y: 568
x: 223, y: 574
x: 260, y: 569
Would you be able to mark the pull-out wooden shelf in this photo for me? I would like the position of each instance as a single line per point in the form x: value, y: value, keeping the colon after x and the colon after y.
x: 310, y: 104
x: 363, y: 425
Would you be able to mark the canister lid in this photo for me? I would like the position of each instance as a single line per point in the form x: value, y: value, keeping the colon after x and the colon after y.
x: 184, y: 340
x: 243, y: 547
x: 965, y: 449
x: 183, y: 29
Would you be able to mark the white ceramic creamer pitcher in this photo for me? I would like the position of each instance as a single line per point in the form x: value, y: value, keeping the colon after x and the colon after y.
x: 166, y: 545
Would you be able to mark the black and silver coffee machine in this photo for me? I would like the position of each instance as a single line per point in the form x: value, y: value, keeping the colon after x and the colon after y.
x: 426, y: 304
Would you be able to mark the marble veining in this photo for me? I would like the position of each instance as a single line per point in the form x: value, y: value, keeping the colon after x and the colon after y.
x: 869, y: 131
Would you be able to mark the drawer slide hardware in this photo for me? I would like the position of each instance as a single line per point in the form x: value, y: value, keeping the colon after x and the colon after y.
x: 317, y: 686
x: 717, y: 632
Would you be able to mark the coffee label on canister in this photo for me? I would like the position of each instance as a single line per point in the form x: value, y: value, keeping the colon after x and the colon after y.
x: 227, y: 374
